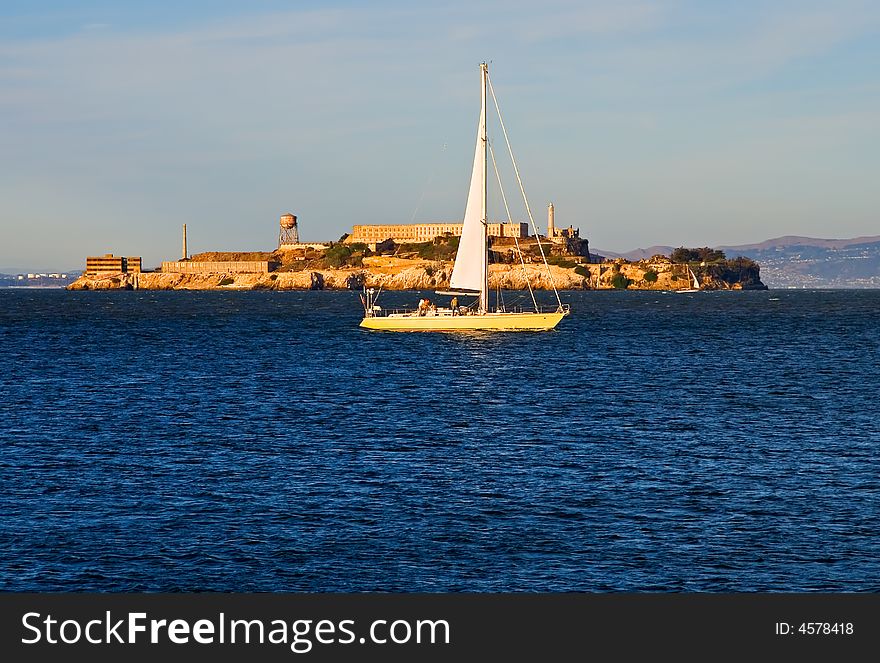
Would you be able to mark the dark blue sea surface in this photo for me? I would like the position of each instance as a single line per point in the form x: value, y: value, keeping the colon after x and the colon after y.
x: 261, y: 441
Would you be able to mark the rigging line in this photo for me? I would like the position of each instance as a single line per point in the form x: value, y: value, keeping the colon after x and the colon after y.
x: 399, y: 246
x: 510, y: 219
x: 412, y: 219
x: 425, y: 188
x: 523, y: 191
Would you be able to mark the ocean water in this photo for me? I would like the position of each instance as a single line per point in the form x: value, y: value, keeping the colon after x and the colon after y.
x: 260, y: 441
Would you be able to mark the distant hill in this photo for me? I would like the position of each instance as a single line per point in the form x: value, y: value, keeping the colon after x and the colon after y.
x: 637, y: 254
x: 799, y: 262
x: 789, y: 241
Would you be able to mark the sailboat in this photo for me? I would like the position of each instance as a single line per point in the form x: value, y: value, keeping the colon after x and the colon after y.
x: 470, y: 274
x: 694, y: 280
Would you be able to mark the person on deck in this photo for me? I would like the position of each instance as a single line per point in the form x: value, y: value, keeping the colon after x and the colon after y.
x: 454, y: 305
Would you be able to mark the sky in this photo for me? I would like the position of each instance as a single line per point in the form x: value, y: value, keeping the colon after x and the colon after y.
x: 645, y: 122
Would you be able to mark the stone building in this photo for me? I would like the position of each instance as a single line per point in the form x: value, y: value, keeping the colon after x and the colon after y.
x: 110, y: 264
x: 559, y: 235
x: 217, y: 267
x: 411, y: 233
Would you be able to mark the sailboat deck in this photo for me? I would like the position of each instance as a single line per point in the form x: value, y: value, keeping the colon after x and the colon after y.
x: 443, y: 320
x: 462, y: 312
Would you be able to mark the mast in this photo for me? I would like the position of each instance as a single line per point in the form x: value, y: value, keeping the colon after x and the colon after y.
x: 484, y: 219
x: 470, y: 272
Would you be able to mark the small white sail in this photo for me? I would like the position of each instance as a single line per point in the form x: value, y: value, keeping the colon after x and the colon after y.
x: 467, y: 274
x: 694, y: 277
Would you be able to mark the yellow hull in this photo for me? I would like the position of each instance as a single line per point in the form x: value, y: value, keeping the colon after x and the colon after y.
x: 486, y: 322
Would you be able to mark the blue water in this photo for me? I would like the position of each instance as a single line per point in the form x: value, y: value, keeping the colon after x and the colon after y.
x: 261, y: 441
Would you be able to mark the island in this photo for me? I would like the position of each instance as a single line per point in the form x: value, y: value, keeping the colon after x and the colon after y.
x: 428, y: 266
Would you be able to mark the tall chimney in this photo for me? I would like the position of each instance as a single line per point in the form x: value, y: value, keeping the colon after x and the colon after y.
x: 185, y: 255
x: 551, y: 227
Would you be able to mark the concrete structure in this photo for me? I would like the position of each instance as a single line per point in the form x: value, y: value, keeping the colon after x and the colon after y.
x: 110, y: 264
x: 558, y: 235
x: 289, y: 235
x: 319, y: 246
x: 217, y: 267
x: 567, y: 233
x: 426, y: 232
x: 184, y: 254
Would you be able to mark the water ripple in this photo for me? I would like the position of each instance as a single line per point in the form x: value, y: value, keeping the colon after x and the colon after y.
x: 262, y: 442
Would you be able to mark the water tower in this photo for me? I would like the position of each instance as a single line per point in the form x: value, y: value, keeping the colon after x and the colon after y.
x: 289, y: 231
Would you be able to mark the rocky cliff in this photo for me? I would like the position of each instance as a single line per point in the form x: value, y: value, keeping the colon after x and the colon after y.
x: 404, y: 274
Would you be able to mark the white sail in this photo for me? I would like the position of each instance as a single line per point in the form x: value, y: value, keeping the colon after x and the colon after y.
x: 467, y: 274
x: 470, y: 274
x: 694, y: 276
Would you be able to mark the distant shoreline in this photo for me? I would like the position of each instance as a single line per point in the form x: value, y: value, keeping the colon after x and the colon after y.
x: 34, y: 287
